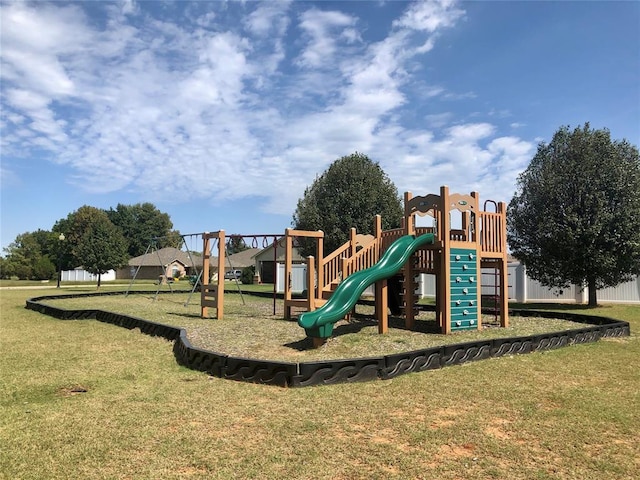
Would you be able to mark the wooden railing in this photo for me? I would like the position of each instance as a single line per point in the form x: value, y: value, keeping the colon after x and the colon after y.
x: 492, y: 232
x: 425, y: 260
x: 367, y: 257
x: 332, y: 265
x: 458, y: 235
x: 390, y: 236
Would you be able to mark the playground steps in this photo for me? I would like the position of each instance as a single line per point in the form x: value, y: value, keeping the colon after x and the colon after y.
x: 328, y: 291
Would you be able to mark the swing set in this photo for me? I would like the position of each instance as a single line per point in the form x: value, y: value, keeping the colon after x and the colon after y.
x: 166, y: 258
x: 212, y: 285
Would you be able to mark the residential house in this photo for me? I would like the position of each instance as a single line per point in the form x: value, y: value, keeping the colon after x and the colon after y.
x: 169, y: 262
x: 265, y: 260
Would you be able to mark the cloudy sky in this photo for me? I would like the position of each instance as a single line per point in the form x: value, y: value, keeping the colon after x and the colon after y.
x: 222, y: 112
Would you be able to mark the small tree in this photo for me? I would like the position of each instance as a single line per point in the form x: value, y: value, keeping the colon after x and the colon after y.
x: 236, y: 244
x: 348, y: 194
x: 97, y: 244
x: 576, y: 215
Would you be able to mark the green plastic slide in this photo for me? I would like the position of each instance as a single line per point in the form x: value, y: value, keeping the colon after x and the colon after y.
x: 319, y: 323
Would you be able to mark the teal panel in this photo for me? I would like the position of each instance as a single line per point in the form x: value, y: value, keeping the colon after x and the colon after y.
x: 461, y: 325
x: 464, y: 289
x: 459, y: 269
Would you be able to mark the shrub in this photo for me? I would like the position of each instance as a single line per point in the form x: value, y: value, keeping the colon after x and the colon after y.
x: 247, y: 275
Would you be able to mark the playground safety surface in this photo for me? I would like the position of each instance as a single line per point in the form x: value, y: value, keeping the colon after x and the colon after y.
x: 327, y: 372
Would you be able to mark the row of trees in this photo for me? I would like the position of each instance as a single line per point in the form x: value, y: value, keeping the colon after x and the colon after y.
x: 98, y: 240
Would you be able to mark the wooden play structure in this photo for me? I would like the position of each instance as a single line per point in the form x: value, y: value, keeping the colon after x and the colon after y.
x: 212, y: 286
x: 456, y: 258
x: 212, y: 291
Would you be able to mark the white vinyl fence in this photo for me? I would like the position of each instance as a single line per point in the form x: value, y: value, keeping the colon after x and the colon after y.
x: 79, y: 275
x: 524, y: 289
x: 298, y: 277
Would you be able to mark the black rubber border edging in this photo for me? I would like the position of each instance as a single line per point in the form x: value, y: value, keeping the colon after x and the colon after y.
x: 285, y: 374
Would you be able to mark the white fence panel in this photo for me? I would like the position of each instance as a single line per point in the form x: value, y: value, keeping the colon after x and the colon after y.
x: 529, y: 290
x: 628, y: 292
x: 298, y: 277
x: 79, y: 275
x: 427, y: 286
x: 538, y: 292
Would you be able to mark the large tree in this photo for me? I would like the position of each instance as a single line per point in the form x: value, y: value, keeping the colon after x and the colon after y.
x: 348, y: 194
x: 575, y: 218
x: 143, y: 223
x: 95, y: 242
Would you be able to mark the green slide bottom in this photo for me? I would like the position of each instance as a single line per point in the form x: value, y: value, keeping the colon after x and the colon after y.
x: 319, y: 323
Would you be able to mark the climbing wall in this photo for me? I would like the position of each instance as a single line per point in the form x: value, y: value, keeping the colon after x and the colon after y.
x: 464, y: 289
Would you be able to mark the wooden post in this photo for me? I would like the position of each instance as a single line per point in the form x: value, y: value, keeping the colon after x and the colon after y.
x: 311, y: 277
x: 320, y: 264
x: 381, y: 288
x: 288, y: 261
x: 352, y: 242
x: 444, y: 282
x: 475, y: 238
x: 409, y: 219
x: 220, y: 281
x: 382, y: 306
x: 504, y: 267
x: 206, y: 276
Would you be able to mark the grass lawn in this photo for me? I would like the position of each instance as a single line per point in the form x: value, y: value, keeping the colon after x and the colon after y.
x: 87, y: 399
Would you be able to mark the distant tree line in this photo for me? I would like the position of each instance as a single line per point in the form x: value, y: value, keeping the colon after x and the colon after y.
x: 94, y: 239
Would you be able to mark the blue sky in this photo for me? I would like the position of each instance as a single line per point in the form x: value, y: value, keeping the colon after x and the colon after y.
x: 221, y: 113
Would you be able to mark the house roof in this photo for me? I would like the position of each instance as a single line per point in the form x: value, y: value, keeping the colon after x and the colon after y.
x: 164, y: 256
x: 241, y: 259
x: 266, y: 254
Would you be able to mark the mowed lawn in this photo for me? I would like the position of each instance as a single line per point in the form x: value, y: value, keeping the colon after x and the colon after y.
x: 83, y: 399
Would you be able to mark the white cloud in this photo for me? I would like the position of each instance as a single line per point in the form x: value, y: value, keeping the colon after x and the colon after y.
x: 438, y: 120
x: 220, y: 111
x: 269, y: 18
x: 429, y: 16
x: 320, y: 26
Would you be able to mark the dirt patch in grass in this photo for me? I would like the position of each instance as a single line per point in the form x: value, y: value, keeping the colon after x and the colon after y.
x: 249, y: 329
x: 69, y: 391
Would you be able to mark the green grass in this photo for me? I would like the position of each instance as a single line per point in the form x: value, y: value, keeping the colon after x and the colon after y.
x: 572, y: 413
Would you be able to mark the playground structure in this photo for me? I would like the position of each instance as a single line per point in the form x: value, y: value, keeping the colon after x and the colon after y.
x: 212, y: 289
x: 455, y: 256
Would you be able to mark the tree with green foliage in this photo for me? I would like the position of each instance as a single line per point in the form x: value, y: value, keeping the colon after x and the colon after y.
x: 236, y: 244
x: 31, y: 256
x: 348, y: 194
x: 96, y: 243
x: 143, y: 223
x: 575, y: 218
